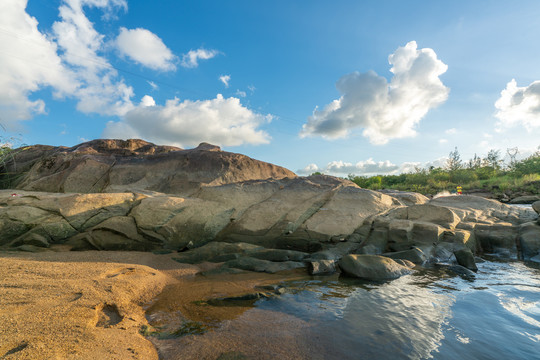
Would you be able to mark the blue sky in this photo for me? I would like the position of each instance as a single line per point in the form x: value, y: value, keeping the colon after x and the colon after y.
x: 340, y: 87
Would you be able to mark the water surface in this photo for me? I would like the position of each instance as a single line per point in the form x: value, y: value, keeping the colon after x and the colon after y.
x: 432, y: 314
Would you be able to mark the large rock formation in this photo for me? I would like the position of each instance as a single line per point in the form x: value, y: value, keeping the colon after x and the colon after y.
x: 130, y: 165
x: 133, y: 195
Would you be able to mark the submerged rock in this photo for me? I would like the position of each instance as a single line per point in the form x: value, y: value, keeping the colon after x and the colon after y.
x: 372, y: 267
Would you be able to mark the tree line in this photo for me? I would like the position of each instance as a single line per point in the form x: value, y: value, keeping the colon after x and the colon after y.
x: 490, y: 173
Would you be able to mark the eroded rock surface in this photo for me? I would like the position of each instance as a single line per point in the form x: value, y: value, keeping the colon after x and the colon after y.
x: 221, y: 207
x: 130, y: 165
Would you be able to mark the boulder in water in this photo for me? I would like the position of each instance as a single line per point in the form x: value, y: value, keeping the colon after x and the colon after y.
x: 372, y: 267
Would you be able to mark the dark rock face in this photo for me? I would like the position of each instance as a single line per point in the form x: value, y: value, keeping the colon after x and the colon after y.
x: 131, y: 165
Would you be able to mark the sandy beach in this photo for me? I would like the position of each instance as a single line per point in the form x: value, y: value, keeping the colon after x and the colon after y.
x: 93, y: 305
x: 80, y: 305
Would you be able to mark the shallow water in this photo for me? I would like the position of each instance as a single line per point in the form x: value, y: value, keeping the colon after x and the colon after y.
x: 431, y: 314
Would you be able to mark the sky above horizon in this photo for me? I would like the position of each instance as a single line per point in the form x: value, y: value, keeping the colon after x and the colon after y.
x: 342, y: 87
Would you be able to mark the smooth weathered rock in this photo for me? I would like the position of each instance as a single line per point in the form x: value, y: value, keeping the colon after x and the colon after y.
x: 214, y: 250
x: 131, y: 165
x: 414, y: 255
x: 465, y: 258
x: 278, y: 255
x: 258, y: 265
x: 460, y: 237
x: 527, y: 199
x: 372, y: 267
x: 407, y: 198
x: 442, y: 253
x: 31, y: 248
x: 34, y: 239
x: 536, y: 206
x: 492, y: 237
x: 305, y: 211
x: 428, y: 213
x: 376, y: 242
x: 336, y: 252
x: 528, y: 240
x: 322, y: 267
x: 406, y: 263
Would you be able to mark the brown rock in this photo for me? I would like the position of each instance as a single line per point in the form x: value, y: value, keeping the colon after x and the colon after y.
x: 119, y: 166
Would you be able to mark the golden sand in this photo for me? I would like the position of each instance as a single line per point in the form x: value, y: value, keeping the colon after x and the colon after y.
x: 92, y: 305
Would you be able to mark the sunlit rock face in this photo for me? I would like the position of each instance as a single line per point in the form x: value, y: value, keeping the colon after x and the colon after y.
x: 294, y: 214
x: 131, y: 165
x: 448, y: 224
x: 134, y: 195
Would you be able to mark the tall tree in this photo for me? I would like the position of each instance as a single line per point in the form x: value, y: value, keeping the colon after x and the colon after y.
x: 454, y: 162
x: 494, y: 159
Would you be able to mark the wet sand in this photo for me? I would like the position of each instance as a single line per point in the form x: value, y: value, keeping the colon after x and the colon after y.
x: 80, y: 305
x: 93, y: 305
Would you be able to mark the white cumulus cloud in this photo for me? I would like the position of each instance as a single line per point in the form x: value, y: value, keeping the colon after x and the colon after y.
x: 385, y: 110
x: 519, y: 106
x: 191, y: 59
x: 147, y: 100
x: 220, y: 121
x: 341, y: 168
x: 308, y: 170
x: 28, y: 62
x: 100, y: 89
x: 146, y: 48
x: 225, y: 80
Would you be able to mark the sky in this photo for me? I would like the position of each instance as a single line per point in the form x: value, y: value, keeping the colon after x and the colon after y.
x: 341, y: 87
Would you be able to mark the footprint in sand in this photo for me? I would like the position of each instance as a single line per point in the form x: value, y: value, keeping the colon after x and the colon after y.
x: 108, y: 315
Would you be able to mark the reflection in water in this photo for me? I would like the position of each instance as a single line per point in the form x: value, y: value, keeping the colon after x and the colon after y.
x: 373, y: 320
x: 431, y: 314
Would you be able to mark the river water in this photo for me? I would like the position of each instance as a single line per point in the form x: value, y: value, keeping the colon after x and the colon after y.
x: 431, y: 314
x: 428, y: 315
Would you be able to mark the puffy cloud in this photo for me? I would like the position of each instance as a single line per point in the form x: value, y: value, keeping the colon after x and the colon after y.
x: 225, y: 80
x: 100, y: 90
x: 341, y: 168
x: 370, y: 167
x: 145, y: 48
x: 147, y: 100
x: 362, y: 167
x: 519, y: 106
x: 384, y: 110
x: 69, y: 61
x: 308, y: 170
x: 191, y: 59
x: 28, y: 61
x: 218, y: 121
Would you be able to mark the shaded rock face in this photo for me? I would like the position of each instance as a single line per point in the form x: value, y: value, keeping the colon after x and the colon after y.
x: 131, y: 165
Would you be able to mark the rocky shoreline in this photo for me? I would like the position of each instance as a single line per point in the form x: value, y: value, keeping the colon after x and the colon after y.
x: 249, y: 215
x: 230, y: 214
